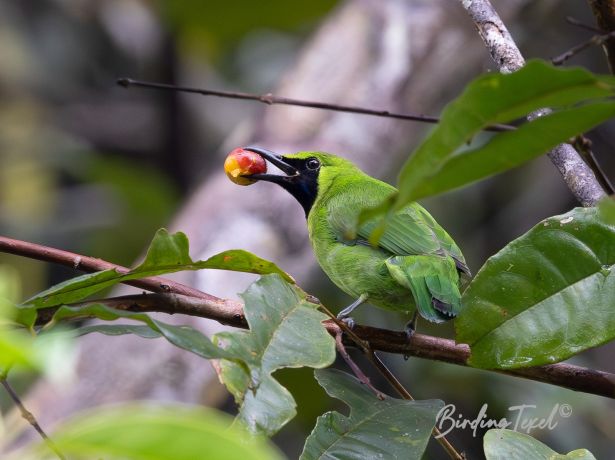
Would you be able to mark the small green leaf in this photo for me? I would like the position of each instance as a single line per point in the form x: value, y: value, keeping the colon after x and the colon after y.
x: 499, y: 444
x: 181, y: 336
x: 500, y: 98
x: 392, y: 428
x: 147, y: 432
x: 166, y: 254
x: 544, y: 297
x: 285, y: 331
x: 119, y: 329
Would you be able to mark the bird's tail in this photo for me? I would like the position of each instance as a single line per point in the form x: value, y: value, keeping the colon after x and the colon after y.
x: 433, y: 281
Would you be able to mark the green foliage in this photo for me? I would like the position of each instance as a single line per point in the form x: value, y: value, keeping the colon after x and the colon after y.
x: 392, y: 428
x: 19, y: 349
x: 170, y: 432
x: 166, y: 254
x: 499, y: 444
x: 285, y: 331
x: 544, y: 297
x: 579, y: 99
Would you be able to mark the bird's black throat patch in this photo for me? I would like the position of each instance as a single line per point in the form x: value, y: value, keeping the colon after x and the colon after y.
x: 303, y: 186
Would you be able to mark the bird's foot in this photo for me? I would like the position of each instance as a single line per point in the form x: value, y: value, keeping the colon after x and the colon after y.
x: 410, y: 330
x: 348, y: 321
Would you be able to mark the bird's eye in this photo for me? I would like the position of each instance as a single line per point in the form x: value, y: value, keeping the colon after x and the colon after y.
x: 313, y: 164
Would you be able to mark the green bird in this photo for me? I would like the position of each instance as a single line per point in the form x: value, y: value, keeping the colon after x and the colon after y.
x: 416, y: 265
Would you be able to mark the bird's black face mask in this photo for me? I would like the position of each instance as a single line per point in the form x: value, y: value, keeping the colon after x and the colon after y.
x: 301, y: 179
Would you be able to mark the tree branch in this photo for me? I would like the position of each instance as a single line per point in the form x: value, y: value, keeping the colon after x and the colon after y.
x: 596, y: 40
x: 421, y: 346
x: 578, y: 176
x: 604, y: 11
x: 175, y: 298
x: 30, y: 418
x: 270, y: 99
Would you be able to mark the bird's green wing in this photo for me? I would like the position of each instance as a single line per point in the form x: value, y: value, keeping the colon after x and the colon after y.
x: 406, y: 233
x: 411, y: 231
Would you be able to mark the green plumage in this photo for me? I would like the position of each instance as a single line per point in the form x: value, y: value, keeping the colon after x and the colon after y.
x: 414, y: 267
x: 415, y: 262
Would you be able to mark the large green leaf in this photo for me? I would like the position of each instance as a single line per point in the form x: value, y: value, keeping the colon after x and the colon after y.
x: 507, y: 150
x: 580, y: 100
x: 148, y: 432
x: 166, y: 254
x: 546, y: 296
x: 392, y: 428
x: 285, y: 331
x: 499, y: 444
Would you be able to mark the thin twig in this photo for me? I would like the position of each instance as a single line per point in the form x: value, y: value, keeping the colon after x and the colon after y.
x: 579, y: 177
x: 584, y: 146
x: 364, y: 379
x: 575, y: 22
x: 29, y: 417
x: 390, y: 377
x: 270, y: 99
x: 605, y: 19
x: 596, y: 40
x: 231, y: 312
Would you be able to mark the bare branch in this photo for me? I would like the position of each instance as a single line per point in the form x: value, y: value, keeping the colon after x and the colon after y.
x: 582, y: 25
x: 596, y: 40
x: 364, y: 379
x: 604, y: 12
x: 30, y: 418
x: 270, y: 99
x: 577, y: 174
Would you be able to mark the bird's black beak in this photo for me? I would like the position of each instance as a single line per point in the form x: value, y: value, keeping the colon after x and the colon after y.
x: 298, y: 181
x: 276, y: 160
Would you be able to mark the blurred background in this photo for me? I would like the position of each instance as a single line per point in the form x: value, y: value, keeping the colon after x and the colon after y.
x: 93, y: 168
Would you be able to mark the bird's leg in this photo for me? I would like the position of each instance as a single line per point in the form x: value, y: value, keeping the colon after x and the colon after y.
x: 344, y: 315
x: 411, y: 326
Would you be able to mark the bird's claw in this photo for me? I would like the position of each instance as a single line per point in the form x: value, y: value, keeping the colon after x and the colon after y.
x: 410, y: 331
x: 348, y: 321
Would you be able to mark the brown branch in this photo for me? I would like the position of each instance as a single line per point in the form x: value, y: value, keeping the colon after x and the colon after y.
x: 421, y: 346
x: 364, y: 379
x: 29, y: 417
x: 604, y: 12
x: 229, y: 312
x: 270, y: 99
x: 582, y: 25
x: 92, y: 264
x: 578, y: 176
x: 596, y: 40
